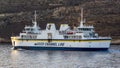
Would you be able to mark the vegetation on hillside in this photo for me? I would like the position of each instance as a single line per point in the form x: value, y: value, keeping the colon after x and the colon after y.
x: 103, y: 14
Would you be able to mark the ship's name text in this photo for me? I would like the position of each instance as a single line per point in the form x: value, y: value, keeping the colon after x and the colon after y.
x: 50, y: 44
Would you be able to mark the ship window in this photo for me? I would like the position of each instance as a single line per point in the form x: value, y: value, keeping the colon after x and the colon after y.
x: 86, y: 36
x: 81, y: 28
x: 32, y: 29
x: 27, y: 29
x: 66, y: 36
x: 73, y: 37
x: 87, y: 29
x: 69, y: 37
x: 79, y: 36
x: 21, y: 36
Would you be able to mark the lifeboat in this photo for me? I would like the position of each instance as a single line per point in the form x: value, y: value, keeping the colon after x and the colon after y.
x: 69, y: 32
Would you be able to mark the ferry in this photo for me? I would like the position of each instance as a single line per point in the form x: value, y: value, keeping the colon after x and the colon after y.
x: 82, y: 37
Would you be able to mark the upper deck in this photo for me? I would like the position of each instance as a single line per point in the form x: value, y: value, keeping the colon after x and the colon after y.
x: 80, y: 32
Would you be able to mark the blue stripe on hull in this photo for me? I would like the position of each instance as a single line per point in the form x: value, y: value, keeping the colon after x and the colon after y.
x: 61, y: 48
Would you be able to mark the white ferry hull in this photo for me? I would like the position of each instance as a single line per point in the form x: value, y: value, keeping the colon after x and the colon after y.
x: 93, y: 44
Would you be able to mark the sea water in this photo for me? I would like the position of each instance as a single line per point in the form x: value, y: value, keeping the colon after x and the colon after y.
x: 58, y: 59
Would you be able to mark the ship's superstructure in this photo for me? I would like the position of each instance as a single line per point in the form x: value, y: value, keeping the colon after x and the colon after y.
x: 82, y: 37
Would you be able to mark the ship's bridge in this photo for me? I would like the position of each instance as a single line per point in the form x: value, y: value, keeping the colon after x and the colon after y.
x: 88, y: 31
x: 86, y: 28
x: 29, y: 29
x: 30, y: 32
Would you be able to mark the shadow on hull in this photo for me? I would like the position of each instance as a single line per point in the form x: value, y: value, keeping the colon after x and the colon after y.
x: 61, y: 48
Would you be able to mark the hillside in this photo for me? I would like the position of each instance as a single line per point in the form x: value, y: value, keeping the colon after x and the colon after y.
x: 103, y: 14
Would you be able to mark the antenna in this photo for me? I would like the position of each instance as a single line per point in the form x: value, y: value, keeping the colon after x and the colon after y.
x: 81, y: 23
x: 35, y: 22
x: 84, y: 20
x: 35, y: 15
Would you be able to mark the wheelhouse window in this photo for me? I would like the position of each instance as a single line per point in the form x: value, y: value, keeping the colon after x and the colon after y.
x: 28, y: 36
x: 32, y: 29
x: 27, y: 29
x: 84, y: 29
